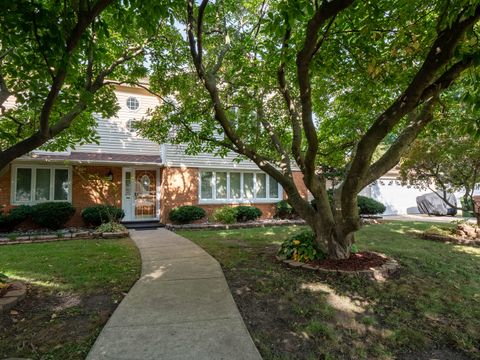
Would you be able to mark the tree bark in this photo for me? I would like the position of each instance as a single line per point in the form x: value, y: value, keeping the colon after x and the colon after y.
x: 331, y: 234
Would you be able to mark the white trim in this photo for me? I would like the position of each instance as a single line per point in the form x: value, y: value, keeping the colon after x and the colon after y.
x: 33, y: 168
x: 134, y: 170
x: 242, y: 200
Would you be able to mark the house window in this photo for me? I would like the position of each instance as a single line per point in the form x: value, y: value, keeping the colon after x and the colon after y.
x: 273, y: 187
x: 221, y: 185
x: 225, y: 186
x: 248, y: 185
x: 133, y: 103
x: 261, y: 186
x: 206, y: 186
x: 235, y: 185
x: 35, y: 184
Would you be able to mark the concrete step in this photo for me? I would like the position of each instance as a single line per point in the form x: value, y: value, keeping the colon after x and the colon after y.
x: 143, y: 225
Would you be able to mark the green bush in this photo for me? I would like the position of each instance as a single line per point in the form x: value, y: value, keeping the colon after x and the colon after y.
x: 301, y: 247
x: 111, y: 226
x: 15, y: 216
x: 52, y: 215
x: 186, y: 214
x: 225, y: 215
x: 369, y: 206
x: 99, y: 214
x: 247, y: 213
x: 284, y: 210
x: 366, y: 205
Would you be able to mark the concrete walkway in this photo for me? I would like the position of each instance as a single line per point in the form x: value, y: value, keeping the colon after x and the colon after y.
x: 181, y: 308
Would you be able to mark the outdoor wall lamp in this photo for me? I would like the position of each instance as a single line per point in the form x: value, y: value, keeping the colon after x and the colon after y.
x: 110, y: 175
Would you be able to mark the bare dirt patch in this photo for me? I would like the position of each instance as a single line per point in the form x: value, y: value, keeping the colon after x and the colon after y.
x: 54, y: 324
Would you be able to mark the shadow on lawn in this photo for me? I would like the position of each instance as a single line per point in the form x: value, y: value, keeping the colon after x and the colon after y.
x: 299, y: 314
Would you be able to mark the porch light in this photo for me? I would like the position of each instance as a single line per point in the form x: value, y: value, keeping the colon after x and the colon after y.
x: 110, y: 175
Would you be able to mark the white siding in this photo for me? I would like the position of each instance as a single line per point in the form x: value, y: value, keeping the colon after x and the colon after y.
x: 175, y: 156
x: 114, y: 135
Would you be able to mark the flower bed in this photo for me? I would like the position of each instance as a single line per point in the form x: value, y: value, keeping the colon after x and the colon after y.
x: 463, y: 234
x: 67, y: 234
x: 248, y: 224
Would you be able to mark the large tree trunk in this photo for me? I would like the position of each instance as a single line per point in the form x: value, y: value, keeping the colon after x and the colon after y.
x: 335, y: 241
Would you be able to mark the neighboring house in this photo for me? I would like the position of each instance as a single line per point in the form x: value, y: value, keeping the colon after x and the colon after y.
x: 398, y: 199
x: 151, y: 178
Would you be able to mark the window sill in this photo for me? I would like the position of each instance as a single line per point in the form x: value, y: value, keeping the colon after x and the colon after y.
x: 237, y: 202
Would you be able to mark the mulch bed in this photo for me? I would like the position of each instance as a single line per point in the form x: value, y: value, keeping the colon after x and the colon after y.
x: 366, y: 264
x: 360, y: 261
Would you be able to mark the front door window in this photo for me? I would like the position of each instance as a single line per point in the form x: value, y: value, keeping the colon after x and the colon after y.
x: 145, y: 194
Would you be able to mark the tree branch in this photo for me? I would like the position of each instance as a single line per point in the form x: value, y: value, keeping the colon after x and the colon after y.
x: 392, y: 156
x: 438, y: 56
x: 84, y: 20
x: 291, y: 108
x: 326, y: 11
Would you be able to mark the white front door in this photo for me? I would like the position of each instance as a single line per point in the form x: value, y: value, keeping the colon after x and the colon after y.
x: 140, y: 194
x: 128, y: 196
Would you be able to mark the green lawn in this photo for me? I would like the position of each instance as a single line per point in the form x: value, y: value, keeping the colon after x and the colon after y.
x: 433, y: 303
x: 73, y: 286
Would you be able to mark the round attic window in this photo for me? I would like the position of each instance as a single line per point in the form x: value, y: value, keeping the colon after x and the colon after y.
x: 133, y: 103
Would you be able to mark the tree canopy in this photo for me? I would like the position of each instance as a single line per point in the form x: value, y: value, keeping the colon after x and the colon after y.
x: 445, y: 158
x: 57, y: 60
x: 312, y: 85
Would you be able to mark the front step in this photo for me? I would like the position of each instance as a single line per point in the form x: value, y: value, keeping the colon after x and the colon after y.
x: 142, y: 225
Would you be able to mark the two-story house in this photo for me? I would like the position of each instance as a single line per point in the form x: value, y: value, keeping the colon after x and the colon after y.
x: 150, y: 178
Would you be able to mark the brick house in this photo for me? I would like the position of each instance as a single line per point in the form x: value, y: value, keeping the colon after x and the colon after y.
x: 149, y: 179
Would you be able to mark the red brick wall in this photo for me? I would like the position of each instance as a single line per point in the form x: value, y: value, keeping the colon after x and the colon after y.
x: 86, y: 191
x: 302, y: 188
x: 5, y: 184
x: 180, y: 187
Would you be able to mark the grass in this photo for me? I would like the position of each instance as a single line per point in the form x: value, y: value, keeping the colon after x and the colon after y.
x: 434, y: 303
x: 73, y: 286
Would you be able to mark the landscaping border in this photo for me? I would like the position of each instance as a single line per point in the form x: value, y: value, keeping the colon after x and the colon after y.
x: 451, y: 239
x: 15, y: 293
x: 380, y: 273
x: 82, y: 235
x: 245, y: 225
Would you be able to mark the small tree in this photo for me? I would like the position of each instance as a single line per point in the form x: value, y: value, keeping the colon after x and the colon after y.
x: 299, y: 85
x: 446, y: 159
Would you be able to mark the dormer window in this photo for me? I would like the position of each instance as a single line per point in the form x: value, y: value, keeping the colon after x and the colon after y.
x: 133, y: 103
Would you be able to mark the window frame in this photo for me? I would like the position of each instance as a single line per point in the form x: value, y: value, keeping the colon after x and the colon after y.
x: 33, y: 183
x: 134, y: 98
x: 242, y: 199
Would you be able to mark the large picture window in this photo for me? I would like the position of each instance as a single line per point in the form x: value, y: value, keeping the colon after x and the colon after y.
x: 234, y: 186
x: 35, y: 184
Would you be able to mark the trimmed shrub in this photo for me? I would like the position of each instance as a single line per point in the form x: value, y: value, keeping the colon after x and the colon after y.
x: 100, y: 214
x: 52, y: 215
x: 301, y: 247
x: 369, y: 206
x: 185, y: 214
x: 366, y: 205
x: 283, y: 210
x: 225, y: 215
x: 247, y: 213
x: 15, y: 216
